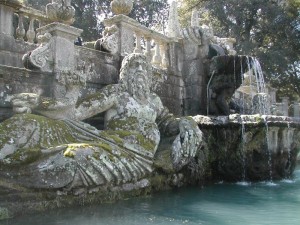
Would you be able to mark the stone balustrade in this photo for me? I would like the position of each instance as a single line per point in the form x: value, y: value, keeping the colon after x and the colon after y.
x: 33, y: 15
x: 153, y: 44
x: 9, y: 9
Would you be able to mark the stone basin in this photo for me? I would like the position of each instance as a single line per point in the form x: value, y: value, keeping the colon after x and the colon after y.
x: 251, y: 147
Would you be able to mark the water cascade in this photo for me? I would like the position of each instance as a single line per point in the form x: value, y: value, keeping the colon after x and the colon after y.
x: 254, y: 86
x: 288, y: 135
x: 242, y: 150
x: 268, y: 150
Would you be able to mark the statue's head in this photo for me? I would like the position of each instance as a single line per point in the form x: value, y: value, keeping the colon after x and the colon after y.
x: 136, y: 75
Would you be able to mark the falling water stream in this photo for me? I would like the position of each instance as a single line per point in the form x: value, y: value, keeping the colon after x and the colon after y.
x: 242, y: 150
x: 269, y: 151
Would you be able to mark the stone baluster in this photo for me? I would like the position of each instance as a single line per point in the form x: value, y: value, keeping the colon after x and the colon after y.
x: 164, y: 61
x: 20, y: 31
x: 138, y: 43
x: 157, y: 57
x: 31, y: 32
x: 147, y: 52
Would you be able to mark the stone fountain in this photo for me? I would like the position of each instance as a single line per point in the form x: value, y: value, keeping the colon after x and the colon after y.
x: 141, y: 112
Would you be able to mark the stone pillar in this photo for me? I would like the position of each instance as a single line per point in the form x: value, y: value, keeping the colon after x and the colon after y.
x: 7, y: 9
x: 173, y: 29
x: 126, y: 33
x: 62, y: 48
x: 272, y: 93
x: 6, y: 20
x: 296, y: 109
x: 285, y: 106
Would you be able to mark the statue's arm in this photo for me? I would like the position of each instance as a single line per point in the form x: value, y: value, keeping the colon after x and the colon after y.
x: 188, y: 136
x: 96, y: 103
x: 68, y: 107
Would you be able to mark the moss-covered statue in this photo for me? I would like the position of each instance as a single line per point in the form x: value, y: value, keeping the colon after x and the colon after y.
x: 45, y: 145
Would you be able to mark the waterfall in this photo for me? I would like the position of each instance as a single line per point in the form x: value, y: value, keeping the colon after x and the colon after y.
x: 243, y: 155
x: 288, y: 140
x: 258, y: 94
x: 264, y: 108
x: 269, y: 150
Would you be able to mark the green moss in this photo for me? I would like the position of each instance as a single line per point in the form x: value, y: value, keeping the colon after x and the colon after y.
x: 258, y: 119
x: 129, y: 123
x: 4, y: 213
x: 111, y: 135
x: 104, y: 146
x: 26, y: 156
x: 46, y: 102
x: 160, y: 182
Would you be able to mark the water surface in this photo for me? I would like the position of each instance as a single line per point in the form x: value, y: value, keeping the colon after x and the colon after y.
x: 219, y: 204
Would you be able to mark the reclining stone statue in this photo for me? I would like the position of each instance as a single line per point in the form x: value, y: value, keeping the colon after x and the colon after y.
x: 46, y: 145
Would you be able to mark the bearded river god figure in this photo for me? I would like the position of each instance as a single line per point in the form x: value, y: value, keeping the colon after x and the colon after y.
x: 47, y: 146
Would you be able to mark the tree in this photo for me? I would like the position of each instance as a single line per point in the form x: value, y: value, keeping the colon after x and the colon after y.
x: 90, y: 13
x: 264, y: 29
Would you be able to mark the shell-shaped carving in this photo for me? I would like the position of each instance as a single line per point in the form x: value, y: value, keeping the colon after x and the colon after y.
x: 121, y: 6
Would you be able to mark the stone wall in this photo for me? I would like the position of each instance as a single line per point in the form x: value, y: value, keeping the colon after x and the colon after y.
x: 17, y: 80
x: 12, y: 50
x: 101, y: 68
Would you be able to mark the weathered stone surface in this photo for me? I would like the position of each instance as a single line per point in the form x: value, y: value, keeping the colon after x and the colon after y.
x: 12, y: 51
x: 58, y: 152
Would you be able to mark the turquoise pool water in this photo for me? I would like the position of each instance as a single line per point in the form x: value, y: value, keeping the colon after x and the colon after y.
x: 219, y: 204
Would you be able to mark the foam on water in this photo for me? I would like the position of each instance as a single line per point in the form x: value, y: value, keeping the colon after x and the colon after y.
x: 243, y: 183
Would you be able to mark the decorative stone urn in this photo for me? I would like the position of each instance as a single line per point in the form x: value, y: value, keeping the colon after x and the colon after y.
x: 60, y: 11
x: 121, y: 6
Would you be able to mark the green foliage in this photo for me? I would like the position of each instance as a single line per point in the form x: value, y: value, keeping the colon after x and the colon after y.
x: 150, y: 12
x: 90, y: 13
x: 264, y: 29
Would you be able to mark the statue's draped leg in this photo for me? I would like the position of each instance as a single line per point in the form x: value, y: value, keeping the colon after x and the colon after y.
x: 75, y: 155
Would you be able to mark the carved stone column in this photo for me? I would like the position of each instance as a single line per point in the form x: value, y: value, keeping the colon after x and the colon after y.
x: 138, y: 43
x: 147, y: 52
x: 164, y: 61
x: 20, y: 31
x: 157, y: 57
x: 31, y: 33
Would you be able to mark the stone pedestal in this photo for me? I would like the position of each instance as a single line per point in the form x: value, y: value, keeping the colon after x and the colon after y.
x: 285, y: 106
x: 62, y: 47
x: 296, y: 109
x: 126, y: 27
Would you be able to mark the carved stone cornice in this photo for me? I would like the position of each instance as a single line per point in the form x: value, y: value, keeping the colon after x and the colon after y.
x: 61, y: 30
x: 12, y: 3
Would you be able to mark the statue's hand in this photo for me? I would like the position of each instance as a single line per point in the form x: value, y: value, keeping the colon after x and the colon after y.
x: 24, y: 102
x: 187, y: 143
